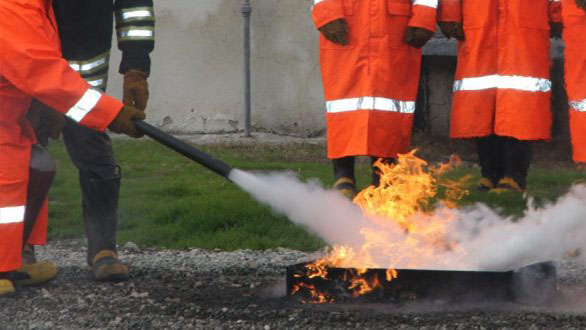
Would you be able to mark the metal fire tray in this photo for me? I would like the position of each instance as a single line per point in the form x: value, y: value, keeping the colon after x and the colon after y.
x: 533, y: 284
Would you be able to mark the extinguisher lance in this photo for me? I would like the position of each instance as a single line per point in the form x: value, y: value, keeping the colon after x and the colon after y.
x: 198, y: 156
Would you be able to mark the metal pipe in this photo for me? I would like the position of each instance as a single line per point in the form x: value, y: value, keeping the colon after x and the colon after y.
x: 246, y: 13
x: 200, y: 157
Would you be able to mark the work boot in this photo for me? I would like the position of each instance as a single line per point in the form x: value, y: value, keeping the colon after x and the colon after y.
x: 491, y: 160
x: 344, y: 179
x: 484, y: 185
x: 106, y: 267
x: 34, y: 272
x: 100, y: 207
x: 346, y: 186
x: 508, y: 184
x: 6, y: 285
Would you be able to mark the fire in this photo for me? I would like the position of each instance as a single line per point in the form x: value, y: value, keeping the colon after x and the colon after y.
x: 401, y: 230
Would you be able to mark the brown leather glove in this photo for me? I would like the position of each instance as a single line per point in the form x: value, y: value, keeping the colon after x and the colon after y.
x: 136, y: 89
x: 452, y: 30
x: 417, y: 37
x: 124, y: 122
x: 556, y: 30
x: 336, y: 31
x: 581, y: 4
x: 46, y: 122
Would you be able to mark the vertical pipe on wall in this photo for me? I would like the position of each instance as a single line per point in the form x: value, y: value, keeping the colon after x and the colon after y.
x: 246, y: 12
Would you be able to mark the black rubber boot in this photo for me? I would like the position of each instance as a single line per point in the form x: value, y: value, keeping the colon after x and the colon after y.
x: 100, y: 208
x: 344, y: 179
x: 42, y: 171
x: 491, y: 160
x: 518, y: 156
x: 376, y: 171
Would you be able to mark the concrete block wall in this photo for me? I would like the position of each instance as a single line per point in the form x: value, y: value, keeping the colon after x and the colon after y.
x: 197, y: 73
x: 197, y: 68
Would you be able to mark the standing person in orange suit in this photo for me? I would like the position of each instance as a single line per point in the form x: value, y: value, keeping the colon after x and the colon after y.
x: 31, y: 66
x: 370, y: 63
x: 502, y: 89
x: 574, y: 17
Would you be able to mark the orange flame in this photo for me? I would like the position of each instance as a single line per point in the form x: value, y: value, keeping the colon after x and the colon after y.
x: 404, y: 233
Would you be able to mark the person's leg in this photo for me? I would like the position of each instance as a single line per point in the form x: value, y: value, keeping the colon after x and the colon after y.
x: 517, y: 160
x: 490, y: 159
x: 14, y: 160
x: 42, y: 171
x: 344, y: 179
x: 99, y: 178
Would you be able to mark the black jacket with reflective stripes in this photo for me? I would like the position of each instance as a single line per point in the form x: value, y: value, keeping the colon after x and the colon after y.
x: 86, y: 27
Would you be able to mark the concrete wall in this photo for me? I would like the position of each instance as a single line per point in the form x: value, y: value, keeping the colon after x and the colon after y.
x: 197, y: 80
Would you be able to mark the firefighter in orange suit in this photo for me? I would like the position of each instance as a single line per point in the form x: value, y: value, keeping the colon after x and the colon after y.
x: 31, y: 67
x: 502, y: 88
x: 370, y: 65
x: 574, y: 17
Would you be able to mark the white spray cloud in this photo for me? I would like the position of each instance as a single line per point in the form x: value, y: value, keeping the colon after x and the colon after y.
x: 491, y: 242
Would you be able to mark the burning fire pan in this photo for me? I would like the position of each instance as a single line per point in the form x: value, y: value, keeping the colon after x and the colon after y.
x: 535, y: 284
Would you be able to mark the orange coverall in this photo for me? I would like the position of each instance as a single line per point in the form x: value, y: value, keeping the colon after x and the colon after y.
x: 31, y: 66
x: 575, y: 65
x: 502, y: 84
x: 371, y: 84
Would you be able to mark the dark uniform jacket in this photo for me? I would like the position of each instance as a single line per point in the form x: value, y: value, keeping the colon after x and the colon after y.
x: 86, y: 28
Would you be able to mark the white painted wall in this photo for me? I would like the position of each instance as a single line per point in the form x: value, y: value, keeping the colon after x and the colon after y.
x: 197, y: 81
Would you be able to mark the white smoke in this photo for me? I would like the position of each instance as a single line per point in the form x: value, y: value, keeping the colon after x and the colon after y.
x: 491, y: 242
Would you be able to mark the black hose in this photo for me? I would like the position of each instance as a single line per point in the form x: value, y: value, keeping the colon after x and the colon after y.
x: 198, y: 156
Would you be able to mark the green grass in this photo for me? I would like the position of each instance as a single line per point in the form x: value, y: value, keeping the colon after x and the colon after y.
x: 167, y: 201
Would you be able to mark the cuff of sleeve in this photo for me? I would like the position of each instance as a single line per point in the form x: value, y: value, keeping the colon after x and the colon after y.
x: 423, y: 17
x: 103, y: 114
x: 135, y: 61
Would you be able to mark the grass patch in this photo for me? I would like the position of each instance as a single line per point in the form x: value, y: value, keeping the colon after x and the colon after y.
x: 167, y: 201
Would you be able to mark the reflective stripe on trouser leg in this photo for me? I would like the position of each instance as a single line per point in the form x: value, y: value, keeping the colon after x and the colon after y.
x: 14, y: 160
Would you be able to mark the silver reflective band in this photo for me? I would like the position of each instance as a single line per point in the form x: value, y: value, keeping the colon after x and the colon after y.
x: 370, y: 103
x: 528, y: 84
x: 95, y: 64
x: 136, y: 33
x: 427, y: 3
x: 578, y: 105
x: 87, y: 102
x: 140, y: 13
x: 315, y: 2
x: 11, y: 214
x: 97, y: 82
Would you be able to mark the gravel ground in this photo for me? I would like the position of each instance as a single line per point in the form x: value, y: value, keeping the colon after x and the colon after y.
x: 199, y: 289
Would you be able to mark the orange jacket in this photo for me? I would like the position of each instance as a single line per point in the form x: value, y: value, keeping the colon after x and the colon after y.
x: 502, y: 84
x: 575, y: 67
x: 371, y: 84
x: 31, y: 66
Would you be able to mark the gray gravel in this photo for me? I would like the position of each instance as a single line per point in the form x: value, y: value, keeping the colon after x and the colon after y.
x: 200, y: 289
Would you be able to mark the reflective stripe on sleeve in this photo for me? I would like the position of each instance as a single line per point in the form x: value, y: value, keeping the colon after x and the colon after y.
x: 137, y: 14
x: 315, y: 2
x: 95, y: 64
x: 578, y: 105
x: 87, y: 102
x: 427, y: 3
x: 12, y: 214
x: 370, y: 103
x: 528, y: 84
x: 136, y: 33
